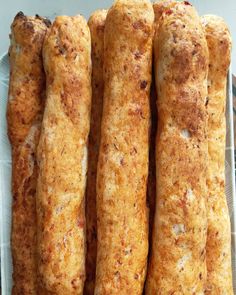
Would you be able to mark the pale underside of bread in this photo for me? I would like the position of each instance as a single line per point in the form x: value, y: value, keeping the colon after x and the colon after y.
x: 62, y: 157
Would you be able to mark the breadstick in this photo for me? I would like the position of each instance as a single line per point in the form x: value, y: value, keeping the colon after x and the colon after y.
x: 96, y: 24
x: 218, y: 250
x: 158, y: 8
x: 62, y: 157
x: 24, y: 112
x: 123, y: 156
x: 177, y: 264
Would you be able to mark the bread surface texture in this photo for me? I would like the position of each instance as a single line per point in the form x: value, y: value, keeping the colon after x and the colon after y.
x: 160, y: 7
x: 27, y: 81
x: 62, y: 157
x: 24, y: 114
x: 123, y: 157
x: 218, y: 249
x: 178, y: 260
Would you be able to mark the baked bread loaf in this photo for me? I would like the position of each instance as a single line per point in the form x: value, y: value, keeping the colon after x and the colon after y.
x: 123, y: 156
x: 96, y: 25
x: 218, y: 249
x: 24, y: 113
x: 62, y: 158
x: 178, y: 263
x: 158, y: 8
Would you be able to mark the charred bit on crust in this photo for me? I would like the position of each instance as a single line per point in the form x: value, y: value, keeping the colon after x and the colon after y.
x: 187, y: 3
x: 20, y: 14
x: 46, y: 21
x: 143, y: 84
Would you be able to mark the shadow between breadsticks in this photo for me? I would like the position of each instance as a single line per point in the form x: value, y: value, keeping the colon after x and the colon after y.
x: 96, y: 25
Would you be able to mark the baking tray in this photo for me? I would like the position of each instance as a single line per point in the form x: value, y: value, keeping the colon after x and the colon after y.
x: 5, y: 178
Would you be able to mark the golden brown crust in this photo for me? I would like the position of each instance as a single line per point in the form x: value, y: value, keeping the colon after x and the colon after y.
x: 26, y: 76
x: 160, y: 6
x: 24, y: 112
x: 218, y: 249
x: 123, y: 157
x: 96, y: 25
x: 62, y: 157
x: 177, y: 263
x: 24, y: 227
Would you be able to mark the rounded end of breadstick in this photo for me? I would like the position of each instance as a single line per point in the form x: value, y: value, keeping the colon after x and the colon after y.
x: 181, y: 37
x: 68, y: 34
x: 25, y: 26
x: 160, y: 6
x: 26, y: 75
x: 97, y: 17
x: 73, y: 26
x: 219, y: 42
x: 132, y: 9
